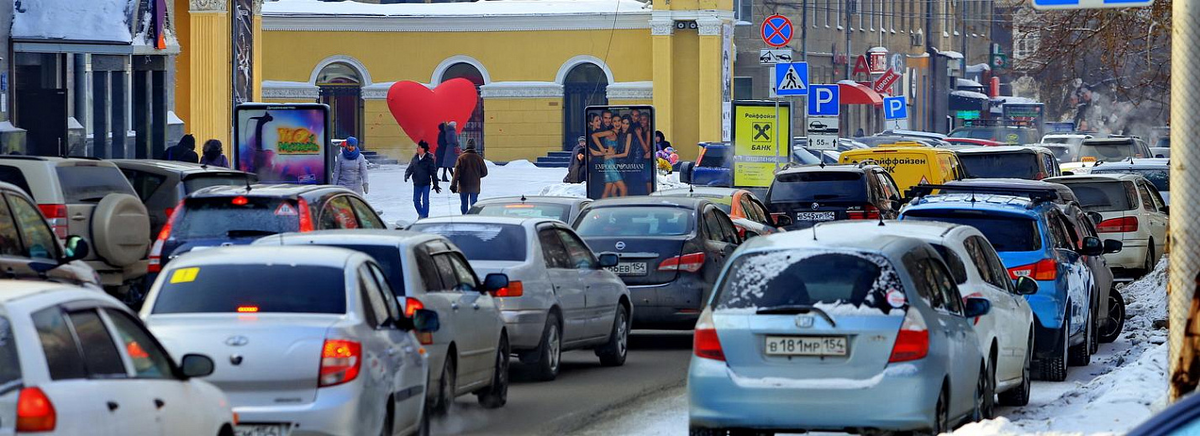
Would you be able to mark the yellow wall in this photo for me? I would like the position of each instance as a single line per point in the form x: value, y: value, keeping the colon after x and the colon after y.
x: 522, y: 128
x: 685, y: 98
x: 210, y: 113
x: 183, y: 67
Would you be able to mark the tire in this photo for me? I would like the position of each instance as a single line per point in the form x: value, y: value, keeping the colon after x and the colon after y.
x: 1148, y: 265
x: 1055, y: 368
x: 423, y: 429
x: 985, y: 393
x: 1019, y: 396
x: 1081, y: 355
x: 614, y: 351
x: 496, y: 395
x: 1115, y: 321
x: 549, y: 353
x: 389, y: 420
x: 446, y: 387
x: 941, y: 414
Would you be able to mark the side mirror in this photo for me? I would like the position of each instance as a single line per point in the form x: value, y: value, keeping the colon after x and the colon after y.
x: 1026, y: 285
x: 783, y: 220
x: 495, y: 282
x: 977, y: 307
x: 426, y: 321
x: 1166, y: 210
x: 75, y: 248
x: 728, y: 249
x: 196, y: 365
x: 609, y: 260
x: 749, y: 235
x: 685, y: 172
x: 402, y: 225
x: 1113, y: 246
x: 1095, y: 217
x: 1092, y: 246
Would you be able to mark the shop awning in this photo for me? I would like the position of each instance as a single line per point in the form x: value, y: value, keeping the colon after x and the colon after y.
x: 852, y: 92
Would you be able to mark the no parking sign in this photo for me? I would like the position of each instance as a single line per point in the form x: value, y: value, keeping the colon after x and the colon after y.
x: 776, y: 31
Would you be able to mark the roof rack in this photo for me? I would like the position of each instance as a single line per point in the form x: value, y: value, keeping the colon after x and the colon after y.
x: 1037, y: 195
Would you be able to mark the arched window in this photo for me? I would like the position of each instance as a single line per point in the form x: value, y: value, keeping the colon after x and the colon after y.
x: 585, y: 85
x: 341, y: 89
x: 474, y: 128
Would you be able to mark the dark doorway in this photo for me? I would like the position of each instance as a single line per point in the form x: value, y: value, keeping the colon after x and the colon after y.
x: 41, y: 102
x: 474, y: 128
x: 585, y: 85
x: 341, y: 89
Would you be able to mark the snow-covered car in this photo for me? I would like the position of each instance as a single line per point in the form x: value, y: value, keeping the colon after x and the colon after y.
x: 1133, y: 212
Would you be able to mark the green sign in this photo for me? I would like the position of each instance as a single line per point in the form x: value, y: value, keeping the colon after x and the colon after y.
x: 967, y: 115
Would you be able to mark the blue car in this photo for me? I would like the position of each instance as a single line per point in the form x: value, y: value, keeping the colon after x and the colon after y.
x: 1034, y: 239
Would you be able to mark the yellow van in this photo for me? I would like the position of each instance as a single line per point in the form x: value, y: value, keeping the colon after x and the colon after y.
x: 910, y: 165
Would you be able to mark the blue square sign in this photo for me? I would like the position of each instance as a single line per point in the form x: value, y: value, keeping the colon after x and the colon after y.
x: 791, y: 79
x: 823, y: 101
x: 895, y: 108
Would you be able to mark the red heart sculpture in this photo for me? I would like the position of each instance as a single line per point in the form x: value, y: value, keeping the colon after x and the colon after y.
x: 419, y: 109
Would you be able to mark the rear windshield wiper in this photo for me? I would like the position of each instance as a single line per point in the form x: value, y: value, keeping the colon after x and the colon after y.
x: 242, y: 233
x: 794, y: 309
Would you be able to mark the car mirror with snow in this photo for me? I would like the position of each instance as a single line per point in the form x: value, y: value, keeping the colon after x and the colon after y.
x: 609, y: 260
x: 977, y: 307
x: 1026, y: 286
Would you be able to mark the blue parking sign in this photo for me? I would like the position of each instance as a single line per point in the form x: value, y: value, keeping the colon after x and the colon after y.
x: 895, y: 108
x: 823, y: 100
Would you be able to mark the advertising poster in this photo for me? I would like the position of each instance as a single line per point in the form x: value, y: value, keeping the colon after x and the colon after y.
x: 283, y: 143
x: 726, y: 80
x: 620, y: 151
x: 761, y: 142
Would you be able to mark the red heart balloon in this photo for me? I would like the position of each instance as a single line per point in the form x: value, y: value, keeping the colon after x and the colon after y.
x: 418, y: 110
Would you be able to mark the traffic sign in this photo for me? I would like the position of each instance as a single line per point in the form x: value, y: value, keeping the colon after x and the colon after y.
x: 822, y: 132
x: 774, y: 56
x: 823, y: 100
x: 895, y: 108
x: 883, y: 84
x: 776, y: 31
x: 1089, y: 4
x: 791, y: 79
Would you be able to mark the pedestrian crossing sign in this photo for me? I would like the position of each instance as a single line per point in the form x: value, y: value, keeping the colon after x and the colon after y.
x: 791, y: 79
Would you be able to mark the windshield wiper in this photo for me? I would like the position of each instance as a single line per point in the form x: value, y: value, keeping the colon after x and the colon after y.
x: 244, y: 233
x: 794, y: 309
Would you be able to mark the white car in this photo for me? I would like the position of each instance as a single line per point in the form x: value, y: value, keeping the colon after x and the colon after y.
x: 75, y: 361
x: 1006, y: 333
x: 1132, y: 212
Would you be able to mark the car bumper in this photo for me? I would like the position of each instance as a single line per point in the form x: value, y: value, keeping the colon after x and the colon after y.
x: 1131, y: 257
x: 1046, y: 341
x: 719, y: 400
x: 117, y: 276
x: 673, y: 305
x: 524, y: 327
x: 338, y: 410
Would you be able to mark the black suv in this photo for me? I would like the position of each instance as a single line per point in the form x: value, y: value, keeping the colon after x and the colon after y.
x: 813, y: 194
x: 161, y: 184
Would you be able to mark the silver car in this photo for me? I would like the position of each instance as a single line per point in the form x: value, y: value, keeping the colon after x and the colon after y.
x: 559, y: 297
x: 307, y: 340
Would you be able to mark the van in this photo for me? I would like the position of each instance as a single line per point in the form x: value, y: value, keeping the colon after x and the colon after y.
x: 911, y: 165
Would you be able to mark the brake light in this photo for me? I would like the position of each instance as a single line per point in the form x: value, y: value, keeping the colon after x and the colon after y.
x: 56, y: 216
x: 1118, y: 225
x: 688, y: 262
x: 306, y: 224
x: 247, y: 309
x: 411, y: 306
x: 705, y: 342
x: 912, y: 341
x: 340, y: 362
x: 169, y: 211
x: 240, y: 201
x: 35, y: 412
x: 514, y: 289
x: 1045, y: 269
x: 867, y: 212
x: 156, y: 262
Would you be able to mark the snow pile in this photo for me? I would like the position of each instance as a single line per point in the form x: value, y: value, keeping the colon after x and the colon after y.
x: 482, y: 8
x: 665, y: 182
x: 520, y: 164
x: 91, y: 20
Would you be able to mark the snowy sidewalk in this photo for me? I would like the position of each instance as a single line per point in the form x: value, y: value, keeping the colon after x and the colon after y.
x: 392, y: 195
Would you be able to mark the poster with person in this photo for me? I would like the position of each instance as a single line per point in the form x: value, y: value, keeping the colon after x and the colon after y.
x: 283, y: 143
x: 620, y: 151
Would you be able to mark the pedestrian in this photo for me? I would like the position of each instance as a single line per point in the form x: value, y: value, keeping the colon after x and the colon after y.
x: 468, y: 170
x: 446, y: 155
x: 213, y: 154
x: 577, y: 169
x: 660, y: 141
x: 184, y: 151
x: 859, y: 133
x: 350, y: 167
x: 423, y: 172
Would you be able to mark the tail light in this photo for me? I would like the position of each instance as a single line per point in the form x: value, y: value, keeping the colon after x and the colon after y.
x: 1118, y: 225
x: 411, y: 306
x: 705, y: 342
x: 866, y: 212
x: 306, y: 223
x: 514, y: 289
x: 156, y: 262
x: 340, y: 362
x: 35, y: 413
x: 912, y: 342
x: 56, y: 216
x: 1045, y: 269
x: 688, y: 262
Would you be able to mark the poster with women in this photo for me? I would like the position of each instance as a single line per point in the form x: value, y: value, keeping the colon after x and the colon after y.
x: 620, y: 151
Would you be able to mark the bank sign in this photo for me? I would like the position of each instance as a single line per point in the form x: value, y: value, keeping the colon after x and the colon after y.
x: 761, y: 142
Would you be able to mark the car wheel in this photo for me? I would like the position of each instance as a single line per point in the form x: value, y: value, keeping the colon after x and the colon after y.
x: 446, y: 387
x: 1081, y: 355
x: 614, y: 351
x: 941, y: 411
x: 423, y: 428
x: 496, y: 395
x: 389, y: 420
x: 1054, y: 368
x: 1019, y: 396
x: 1148, y: 265
x: 550, y: 352
x: 1094, y: 334
x: 1116, y: 317
x: 985, y: 393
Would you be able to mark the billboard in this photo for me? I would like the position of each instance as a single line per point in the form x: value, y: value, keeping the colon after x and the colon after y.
x: 761, y: 142
x: 283, y: 143
x: 620, y: 151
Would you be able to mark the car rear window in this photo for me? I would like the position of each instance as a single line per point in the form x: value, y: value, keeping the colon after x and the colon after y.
x: 1104, y: 196
x: 224, y: 217
x: 479, y: 241
x: 1001, y: 165
x: 1006, y: 233
x: 636, y: 221
x: 1108, y: 152
x: 1062, y: 152
x: 525, y: 210
x: 90, y: 183
x: 388, y: 258
x: 818, y: 186
x: 13, y: 175
x: 10, y: 364
x: 714, y: 157
x: 198, y: 182
x: 801, y: 278
x: 261, y: 288
x: 1161, y: 178
x: 1059, y: 140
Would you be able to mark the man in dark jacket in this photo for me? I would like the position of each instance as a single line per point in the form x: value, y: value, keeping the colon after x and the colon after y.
x: 423, y: 171
x: 577, y: 169
x: 184, y: 151
x: 468, y: 172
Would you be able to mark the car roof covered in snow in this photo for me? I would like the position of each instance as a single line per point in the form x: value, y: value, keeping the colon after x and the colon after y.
x: 828, y: 236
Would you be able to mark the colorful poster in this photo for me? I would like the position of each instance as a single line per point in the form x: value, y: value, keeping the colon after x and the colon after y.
x: 620, y: 151
x: 761, y: 142
x: 283, y: 143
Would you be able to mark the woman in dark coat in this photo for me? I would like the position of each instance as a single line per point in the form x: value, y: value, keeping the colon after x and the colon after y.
x: 577, y: 170
x: 447, y: 155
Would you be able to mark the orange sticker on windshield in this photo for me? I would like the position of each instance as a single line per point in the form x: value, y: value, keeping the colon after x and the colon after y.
x: 184, y: 275
x: 285, y: 209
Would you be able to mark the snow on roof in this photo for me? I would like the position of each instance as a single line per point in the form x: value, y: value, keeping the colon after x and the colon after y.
x: 1009, y: 99
x: 967, y: 83
x: 978, y: 68
x: 952, y: 54
x: 478, y: 8
x: 969, y: 94
x: 91, y: 20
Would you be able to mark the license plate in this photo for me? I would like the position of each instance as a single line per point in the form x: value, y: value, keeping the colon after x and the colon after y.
x: 806, y: 346
x: 629, y: 269
x: 262, y: 430
x: 814, y: 216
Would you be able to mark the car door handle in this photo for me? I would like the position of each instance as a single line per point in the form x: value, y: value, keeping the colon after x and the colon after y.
x: 113, y: 406
x: 475, y: 306
x: 78, y: 217
x: 454, y: 306
x: 158, y: 403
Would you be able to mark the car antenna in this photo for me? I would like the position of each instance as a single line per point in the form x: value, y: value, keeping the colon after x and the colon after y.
x: 247, y: 183
x: 814, y: 227
x: 522, y: 198
x: 881, y: 220
x: 691, y: 188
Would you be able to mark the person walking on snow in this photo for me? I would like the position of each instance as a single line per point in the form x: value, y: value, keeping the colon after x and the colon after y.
x: 468, y: 171
x: 212, y: 155
x: 423, y: 172
x: 350, y: 167
x: 447, y: 154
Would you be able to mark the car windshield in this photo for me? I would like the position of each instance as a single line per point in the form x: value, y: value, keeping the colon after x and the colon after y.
x: 1109, y: 152
x: 10, y: 364
x: 636, y: 221
x: 807, y: 187
x: 1104, y: 196
x: 1164, y: 142
x: 250, y: 288
x: 559, y: 212
x: 1062, y: 152
x: 798, y: 278
x: 1002, y: 165
x: 90, y: 183
x: 388, y: 258
x: 1161, y: 178
x: 1006, y: 233
x: 224, y: 217
x: 198, y: 182
x: 481, y: 241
